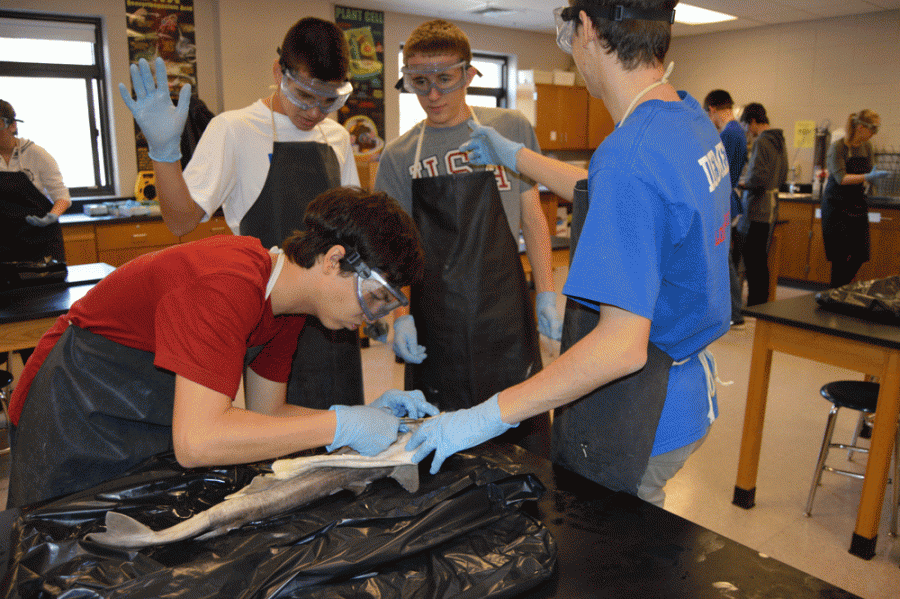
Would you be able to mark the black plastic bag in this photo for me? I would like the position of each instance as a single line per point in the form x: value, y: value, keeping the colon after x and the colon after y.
x: 460, y: 535
x: 878, y: 300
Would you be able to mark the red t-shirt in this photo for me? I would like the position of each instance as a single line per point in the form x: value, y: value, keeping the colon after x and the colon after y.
x: 197, y: 306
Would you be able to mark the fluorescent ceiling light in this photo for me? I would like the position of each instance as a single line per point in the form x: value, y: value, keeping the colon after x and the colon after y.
x: 693, y: 15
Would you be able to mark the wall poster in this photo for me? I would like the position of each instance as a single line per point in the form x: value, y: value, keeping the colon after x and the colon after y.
x: 166, y: 29
x: 363, y: 114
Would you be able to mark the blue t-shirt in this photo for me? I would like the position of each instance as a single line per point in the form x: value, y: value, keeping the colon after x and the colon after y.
x: 735, y: 141
x: 655, y: 242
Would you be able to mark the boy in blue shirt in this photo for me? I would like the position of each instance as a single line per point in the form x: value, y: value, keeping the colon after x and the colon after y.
x: 648, y: 286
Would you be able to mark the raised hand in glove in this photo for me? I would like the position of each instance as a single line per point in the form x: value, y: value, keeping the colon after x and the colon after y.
x: 874, y: 175
x: 405, y: 403
x: 406, y: 344
x: 486, y: 146
x: 448, y: 433
x: 365, y: 429
x: 549, y: 321
x: 161, y: 122
x: 42, y: 221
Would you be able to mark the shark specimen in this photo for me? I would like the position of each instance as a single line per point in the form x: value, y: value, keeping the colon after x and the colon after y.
x: 292, y: 483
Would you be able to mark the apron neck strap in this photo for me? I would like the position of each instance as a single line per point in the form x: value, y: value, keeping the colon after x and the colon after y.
x: 279, y: 264
x: 643, y: 92
x: 416, y: 166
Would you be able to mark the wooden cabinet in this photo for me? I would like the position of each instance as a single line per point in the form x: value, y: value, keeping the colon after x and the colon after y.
x: 795, y: 236
x: 884, y: 248
x: 214, y: 226
x: 561, y: 113
x: 600, y: 123
x: 120, y: 241
x: 803, y: 250
x: 81, y: 244
x: 569, y: 118
x: 117, y: 243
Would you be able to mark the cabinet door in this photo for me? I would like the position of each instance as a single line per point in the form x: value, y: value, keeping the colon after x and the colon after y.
x: 819, y: 267
x: 795, y: 239
x: 573, y: 112
x: 546, y: 124
x: 600, y: 123
x: 81, y: 244
x: 884, y: 248
x: 214, y: 226
x: 561, y: 117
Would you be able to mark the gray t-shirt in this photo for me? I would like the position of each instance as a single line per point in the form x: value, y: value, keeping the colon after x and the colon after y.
x: 441, y: 156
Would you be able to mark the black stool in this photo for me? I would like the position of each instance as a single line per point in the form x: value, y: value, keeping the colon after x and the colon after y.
x: 6, y: 380
x: 861, y: 396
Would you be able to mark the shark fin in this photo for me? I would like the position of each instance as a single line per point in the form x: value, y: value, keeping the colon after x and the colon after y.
x: 122, y: 531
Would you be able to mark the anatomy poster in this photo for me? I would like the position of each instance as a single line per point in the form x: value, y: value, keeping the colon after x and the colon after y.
x: 363, y: 114
x: 163, y: 29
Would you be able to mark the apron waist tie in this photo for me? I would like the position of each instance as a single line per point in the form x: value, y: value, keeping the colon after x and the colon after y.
x: 710, y: 369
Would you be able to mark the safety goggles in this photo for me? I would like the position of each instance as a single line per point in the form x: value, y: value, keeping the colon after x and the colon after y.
x: 8, y: 122
x: 420, y: 80
x: 567, y: 16
x: 312, y: 93
x: 872, y: 128
x: 376, y: 296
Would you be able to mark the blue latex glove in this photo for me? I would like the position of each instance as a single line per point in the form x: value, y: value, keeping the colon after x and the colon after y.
x: 549, y: 321
x: 874, y: 175
x: 42, y: 221
x: 406, y: 344
x: 486, y: 146
x: 365, y: 429
x: 160, y: 121
x: 405, y: 403
x: 455, y: 431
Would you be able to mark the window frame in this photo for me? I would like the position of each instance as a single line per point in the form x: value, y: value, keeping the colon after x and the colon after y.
x: 95, y: 79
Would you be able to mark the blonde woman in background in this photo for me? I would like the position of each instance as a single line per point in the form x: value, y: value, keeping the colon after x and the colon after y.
x: 845, y: 220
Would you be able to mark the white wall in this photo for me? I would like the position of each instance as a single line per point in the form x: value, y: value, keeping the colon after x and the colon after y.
x: 236, y: 46
x: 810, y: 71
x: 805, y: 71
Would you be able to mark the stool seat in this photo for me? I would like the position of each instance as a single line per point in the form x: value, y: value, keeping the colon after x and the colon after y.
x: 855, y: 395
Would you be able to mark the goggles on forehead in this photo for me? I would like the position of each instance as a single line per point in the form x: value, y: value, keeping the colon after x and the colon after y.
x: 312, y: 93
x: 567, y: 16
x: 376, y: 296
x: 420, y: 80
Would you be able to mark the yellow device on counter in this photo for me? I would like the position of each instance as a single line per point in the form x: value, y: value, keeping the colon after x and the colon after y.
x: 145, y: 187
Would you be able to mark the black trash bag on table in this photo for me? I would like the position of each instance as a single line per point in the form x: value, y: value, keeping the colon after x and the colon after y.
x: 461, y: 535
x: 878, y: 299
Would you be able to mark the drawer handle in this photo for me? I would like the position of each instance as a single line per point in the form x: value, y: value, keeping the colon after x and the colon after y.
x: 136, y: 235
x: 216, y: 229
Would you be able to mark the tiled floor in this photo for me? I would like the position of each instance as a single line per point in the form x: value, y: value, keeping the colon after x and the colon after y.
x: 702, y: 491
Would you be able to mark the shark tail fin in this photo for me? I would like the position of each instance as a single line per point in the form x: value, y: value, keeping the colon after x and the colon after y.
x: 122, y: 531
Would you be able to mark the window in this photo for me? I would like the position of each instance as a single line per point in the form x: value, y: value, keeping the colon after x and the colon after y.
x: 60, y: 93
x: 487, y: 90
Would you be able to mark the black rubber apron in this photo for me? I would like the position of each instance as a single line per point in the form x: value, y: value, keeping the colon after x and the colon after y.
x: 845, y: 215
x: 473, y: 311
x: 20, y: 241
x: 327, y: 367
x: 95, y: 409
x: 608, y: 434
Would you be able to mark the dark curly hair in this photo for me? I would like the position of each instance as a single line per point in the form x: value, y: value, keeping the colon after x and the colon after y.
x: 370, y: 223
